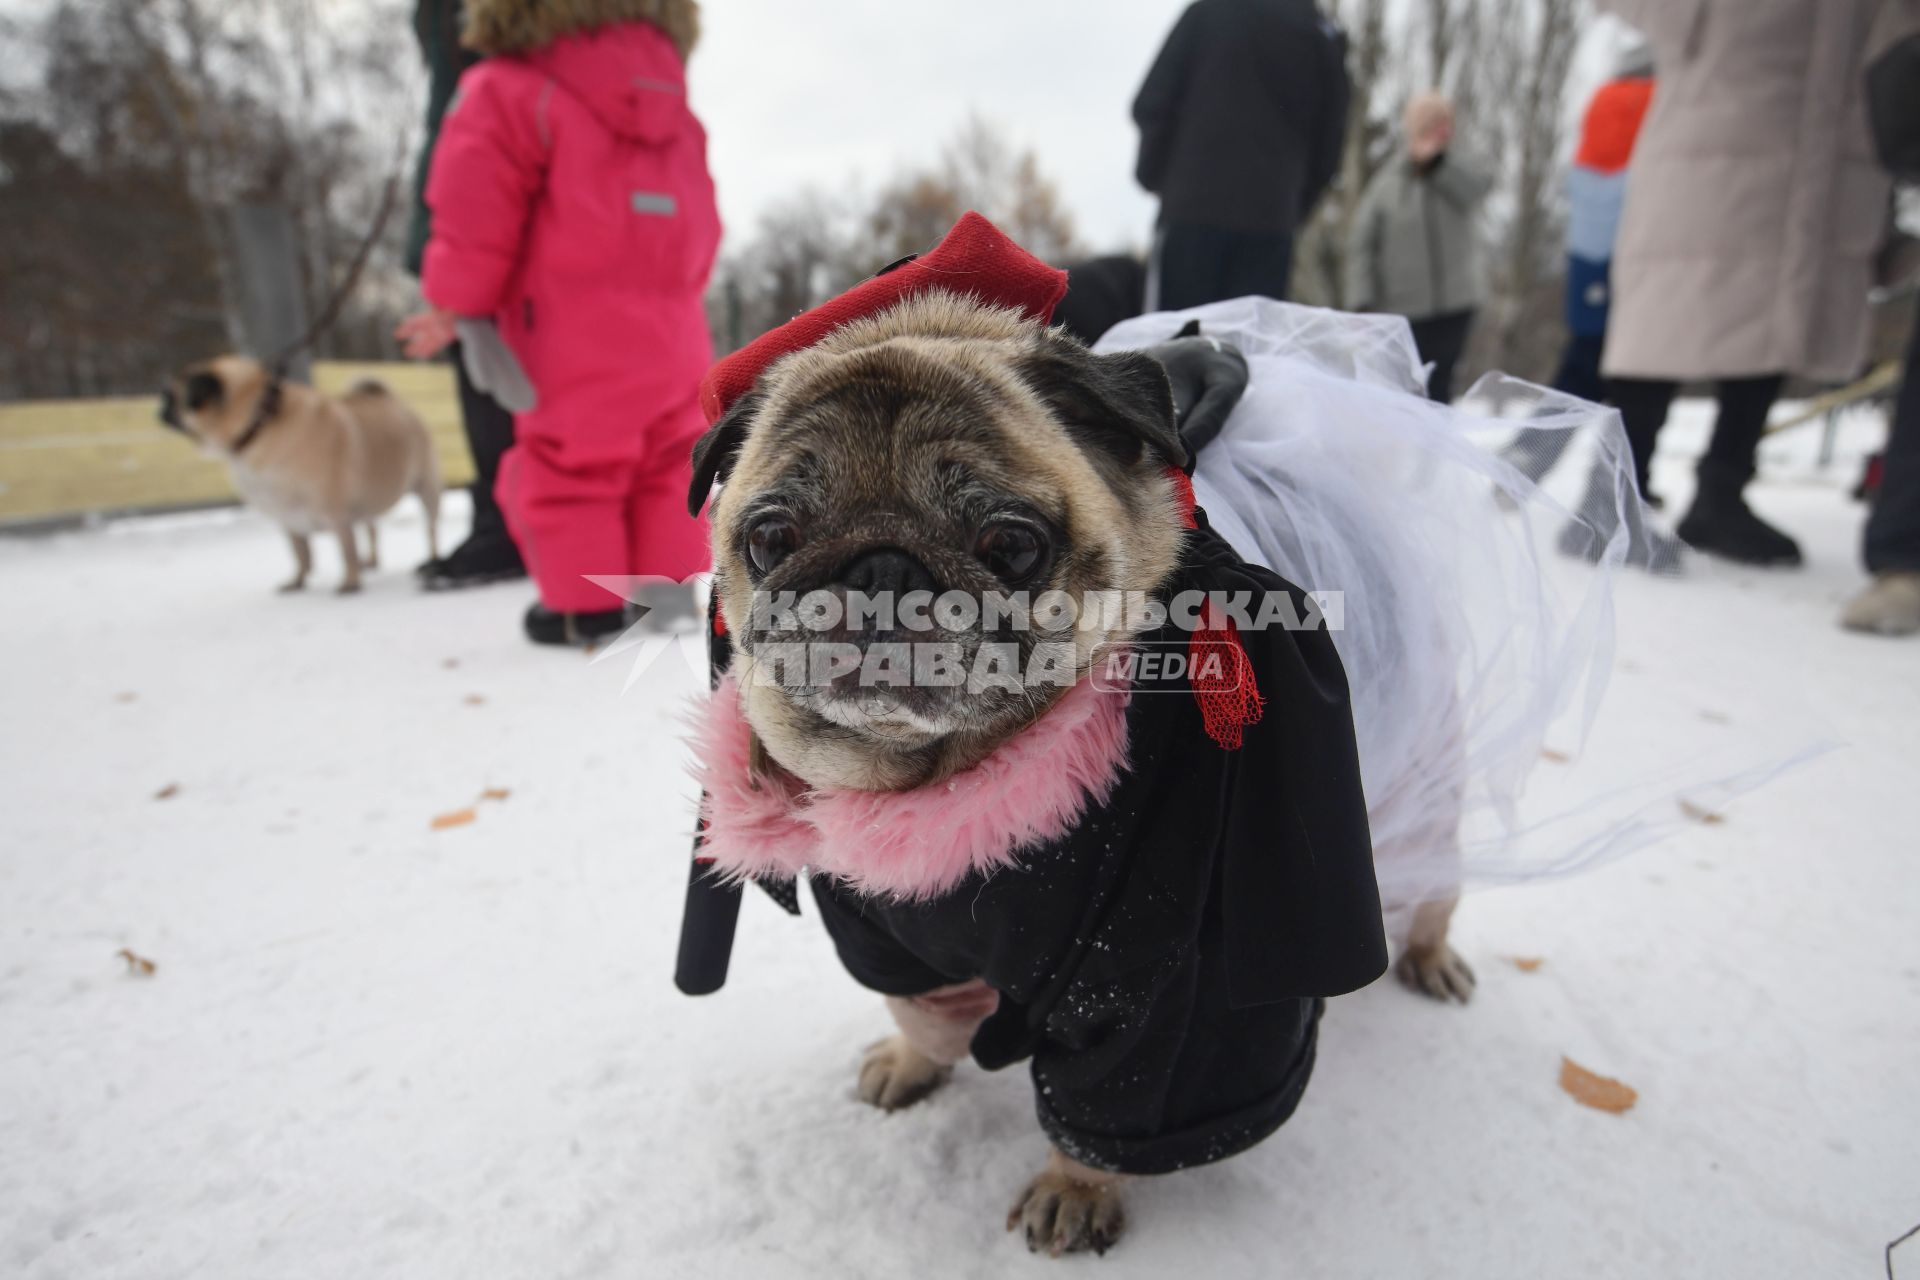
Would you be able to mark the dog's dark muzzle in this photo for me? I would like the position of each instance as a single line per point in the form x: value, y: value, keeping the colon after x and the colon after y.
x: 886, y: 570
x: 877, y: 588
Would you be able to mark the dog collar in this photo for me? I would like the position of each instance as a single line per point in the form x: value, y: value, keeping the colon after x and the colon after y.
x: 263, y: 413
x: 913, y: 844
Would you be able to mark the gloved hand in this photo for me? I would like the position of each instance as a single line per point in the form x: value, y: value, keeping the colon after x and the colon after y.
x: 1208, y: 377
x: 492, y: 365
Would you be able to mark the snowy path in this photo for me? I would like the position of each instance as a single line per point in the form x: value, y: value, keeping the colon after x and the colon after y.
x: 372, y: 1049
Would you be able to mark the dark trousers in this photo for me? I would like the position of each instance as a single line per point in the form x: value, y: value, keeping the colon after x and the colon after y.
x: 1893, y: 530
x: 489, y: 428
x: 1441, y: 340
x: 1198, y: 265
x: 1579, y: 373
x: 1737, y: 428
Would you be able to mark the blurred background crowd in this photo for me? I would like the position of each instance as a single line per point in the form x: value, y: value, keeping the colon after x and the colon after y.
x: 1625, y: 198
x: 129, y: 129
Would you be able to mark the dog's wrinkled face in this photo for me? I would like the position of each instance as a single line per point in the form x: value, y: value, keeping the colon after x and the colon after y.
x: 212, y: 401
x: 920, y: 516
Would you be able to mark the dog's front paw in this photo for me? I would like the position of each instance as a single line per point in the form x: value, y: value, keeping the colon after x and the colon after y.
x: 1438, y: 972
x: 1063, y: 1214
x: 894, y: 1074
x: 288, y: 588
x: 349, y: 588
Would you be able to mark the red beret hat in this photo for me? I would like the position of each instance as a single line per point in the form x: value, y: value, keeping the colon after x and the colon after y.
x: 975, y: 258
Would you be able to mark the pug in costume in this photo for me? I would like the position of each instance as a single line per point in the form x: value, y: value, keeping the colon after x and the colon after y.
x: 1127, y: 845
x: 312, y: 462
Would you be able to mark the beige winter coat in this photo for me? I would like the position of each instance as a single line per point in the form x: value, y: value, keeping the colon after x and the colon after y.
x: 1755, y: 203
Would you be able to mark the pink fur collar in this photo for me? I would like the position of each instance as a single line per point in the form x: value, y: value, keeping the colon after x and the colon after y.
x: 909, y: 844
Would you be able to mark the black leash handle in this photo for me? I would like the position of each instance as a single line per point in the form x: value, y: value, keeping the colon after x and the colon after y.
x: 706, y: 932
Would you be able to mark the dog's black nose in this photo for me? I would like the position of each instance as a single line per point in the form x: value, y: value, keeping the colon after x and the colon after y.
x: 169, y: 411
x: 887, y: 569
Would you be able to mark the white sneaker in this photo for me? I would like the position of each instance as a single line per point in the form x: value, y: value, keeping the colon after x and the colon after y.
x: 1890, y: 607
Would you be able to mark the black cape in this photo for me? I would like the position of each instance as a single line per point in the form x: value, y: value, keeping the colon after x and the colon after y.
x: 1163, y: 965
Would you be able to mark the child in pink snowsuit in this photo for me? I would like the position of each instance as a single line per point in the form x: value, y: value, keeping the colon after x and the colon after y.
x: 572, y: 206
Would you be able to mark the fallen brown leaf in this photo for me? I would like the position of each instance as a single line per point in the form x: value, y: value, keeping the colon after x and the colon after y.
x: 450, y: 663
x: 457, y: 818
x: 495, y: 793
x: 1602, y: 1093
x: 476, y: 699
x: 128, y: 696
x: 1557, y: 757
x: 139, y: 966
x: 1526, y: 964
x: 1701, y: 814
x: 1716, y: 717
x: 167, y: 792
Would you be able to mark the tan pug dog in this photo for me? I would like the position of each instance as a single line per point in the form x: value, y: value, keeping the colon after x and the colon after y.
x: 943, y: 445
x: 313, y: 462
x: 993, y: 453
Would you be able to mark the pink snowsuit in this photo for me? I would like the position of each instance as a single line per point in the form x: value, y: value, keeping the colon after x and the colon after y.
x: 572, y: 204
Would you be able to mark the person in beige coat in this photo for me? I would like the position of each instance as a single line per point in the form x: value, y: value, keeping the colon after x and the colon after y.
x: 1752, y: 217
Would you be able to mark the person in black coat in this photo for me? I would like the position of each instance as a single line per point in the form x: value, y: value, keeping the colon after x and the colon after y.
x: 489, y: 553
x: 1241, y: 124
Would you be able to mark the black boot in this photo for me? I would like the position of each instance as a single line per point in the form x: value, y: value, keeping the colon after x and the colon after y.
x: 482, y: 558
x: 1721, y: 523
x: 544, y: 626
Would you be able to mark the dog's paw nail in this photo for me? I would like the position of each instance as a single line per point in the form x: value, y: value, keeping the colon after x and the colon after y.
x: 1065, y: 1216
x: 1441, y: 975
x: 894, y: 1075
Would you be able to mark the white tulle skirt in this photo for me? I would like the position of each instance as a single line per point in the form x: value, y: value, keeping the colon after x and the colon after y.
x: 1475, y: 607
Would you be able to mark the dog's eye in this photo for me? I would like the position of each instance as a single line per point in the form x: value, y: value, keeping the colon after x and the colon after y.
x: 771, y: 539
x: 1011, y: 551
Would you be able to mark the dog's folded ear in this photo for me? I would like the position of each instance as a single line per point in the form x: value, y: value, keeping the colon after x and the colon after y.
x: 715, y: 451
x: 1120, y: 404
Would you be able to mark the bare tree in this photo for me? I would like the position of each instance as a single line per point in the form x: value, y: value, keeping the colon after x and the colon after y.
x: 802, y: 252
x: 980, y: 170
x: 810, y: 247
x: 174, y: 88
x: 181, y: 110
x: 1539, y: 45
x: 1320, y: 257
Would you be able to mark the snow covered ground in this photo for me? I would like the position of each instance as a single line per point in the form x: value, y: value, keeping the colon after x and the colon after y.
x: 369, y: 1048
